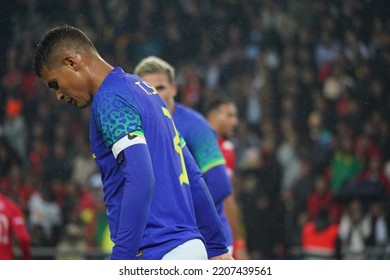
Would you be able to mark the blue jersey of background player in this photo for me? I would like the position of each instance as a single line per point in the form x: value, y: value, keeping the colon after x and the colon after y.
x: 201, y: 140
x: 202, y: 143
x: 155, y: 195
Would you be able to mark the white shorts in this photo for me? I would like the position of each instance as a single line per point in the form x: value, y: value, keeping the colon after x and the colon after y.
x: 191, y: 250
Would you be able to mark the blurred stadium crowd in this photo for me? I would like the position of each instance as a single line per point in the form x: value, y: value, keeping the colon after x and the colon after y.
x: 310, y: 80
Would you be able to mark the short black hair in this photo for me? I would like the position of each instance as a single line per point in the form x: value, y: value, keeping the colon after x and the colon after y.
x: 216, y: 103
x: 64, y: 36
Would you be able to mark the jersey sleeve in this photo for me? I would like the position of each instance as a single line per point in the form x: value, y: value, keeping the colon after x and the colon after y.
x: 203, y: 145
x: 119, y: 123
x: 136, y: 201
x: 218, y: 183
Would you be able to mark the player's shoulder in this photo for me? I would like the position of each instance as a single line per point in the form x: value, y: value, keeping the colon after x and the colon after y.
x: 118, y: 79
x: 115, y: 90
x: 189, y: 115
x: 184, y: 110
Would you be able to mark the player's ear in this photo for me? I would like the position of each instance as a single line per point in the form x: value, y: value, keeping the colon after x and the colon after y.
x: 71, y: 62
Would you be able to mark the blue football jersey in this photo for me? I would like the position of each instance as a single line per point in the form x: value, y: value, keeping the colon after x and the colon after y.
x: 127, y: 111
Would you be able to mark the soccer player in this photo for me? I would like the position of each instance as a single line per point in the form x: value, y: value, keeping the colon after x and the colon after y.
x: 157, y: 202
x: 222, y: 116
x: 12, y: 224
x: 196, y: 131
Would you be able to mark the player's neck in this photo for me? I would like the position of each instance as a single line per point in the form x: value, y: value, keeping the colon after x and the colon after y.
x: 99, y: 70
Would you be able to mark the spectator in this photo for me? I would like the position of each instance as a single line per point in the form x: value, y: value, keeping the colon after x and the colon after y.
x: 372, y: 180
x: 46, y: 213
x: 322, y: 197
x: 72, y: 245
x: 326, y: 50
x: 319, y: 237
x: 7, y: 158
x: 354, y: 229
x: 345, y: 165
x: 336, y: 83
x: 15, y: 128
x: 287, y: 153
x: 379, y: 236
x: 303, y: 185
x: 318, y: 143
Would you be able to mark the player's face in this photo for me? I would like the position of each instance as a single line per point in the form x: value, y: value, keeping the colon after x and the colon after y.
x: 165, y: 88
x: 227, y: 120
x: 68, y: 85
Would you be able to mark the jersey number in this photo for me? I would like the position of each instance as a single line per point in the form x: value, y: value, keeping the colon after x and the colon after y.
x: 176, y: 141
x: 144, y: 87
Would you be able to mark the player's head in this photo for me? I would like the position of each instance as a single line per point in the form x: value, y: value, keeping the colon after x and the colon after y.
x: 61, y: 60
x: 222, y: 115
x: 160, y: 74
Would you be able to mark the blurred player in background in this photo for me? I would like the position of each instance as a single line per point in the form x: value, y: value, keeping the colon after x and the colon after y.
x: 222, y: 116
x: 12, y: 225
x: 197, y: 133
x: 157, y: 202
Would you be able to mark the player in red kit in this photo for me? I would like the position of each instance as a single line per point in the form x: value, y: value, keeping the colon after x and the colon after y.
x: 222, y: 116
x: 12, y: 223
